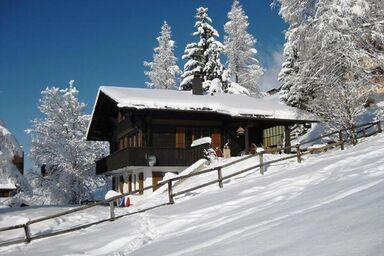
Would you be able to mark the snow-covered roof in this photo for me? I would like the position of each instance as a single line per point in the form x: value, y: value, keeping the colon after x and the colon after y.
x: 7, y: 186
x: 230, y: 104
x: 9, y: 141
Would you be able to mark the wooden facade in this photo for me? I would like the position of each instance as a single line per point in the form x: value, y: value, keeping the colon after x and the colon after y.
x: 7, y: 192
x: 137, y: 134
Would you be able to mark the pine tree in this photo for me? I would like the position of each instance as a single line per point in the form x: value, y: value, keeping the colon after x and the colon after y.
x: 332, y: 58
x: 58, y: 141
x: 372, y: 33
x: 298, y: 14
x: 289, y: 92
x: 203, y: 57
x: 240, y: 50
x: 334, y: 67
x: 163, y: 69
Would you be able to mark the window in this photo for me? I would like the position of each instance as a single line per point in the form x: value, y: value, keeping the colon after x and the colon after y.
x: 185, y: 136
x: 120, y: 116
x: 273, y: 136
x: 131, y: 140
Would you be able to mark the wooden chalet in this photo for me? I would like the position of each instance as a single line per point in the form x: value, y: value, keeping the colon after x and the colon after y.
x: 150, y: 131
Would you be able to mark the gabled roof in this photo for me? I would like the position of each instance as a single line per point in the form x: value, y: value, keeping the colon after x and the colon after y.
x: 230, y: 104
x: 110, y: 98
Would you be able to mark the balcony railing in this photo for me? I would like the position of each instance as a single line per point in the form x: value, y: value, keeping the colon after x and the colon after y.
x: 139, y: 157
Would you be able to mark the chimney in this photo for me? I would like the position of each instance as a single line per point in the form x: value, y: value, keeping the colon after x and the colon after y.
x: 197, y: 84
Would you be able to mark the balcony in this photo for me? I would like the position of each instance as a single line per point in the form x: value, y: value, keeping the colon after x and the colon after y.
x: 138, y: 157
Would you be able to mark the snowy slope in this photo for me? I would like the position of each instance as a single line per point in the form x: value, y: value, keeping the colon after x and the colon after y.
x: 331, y: 204
x: 9, y: 147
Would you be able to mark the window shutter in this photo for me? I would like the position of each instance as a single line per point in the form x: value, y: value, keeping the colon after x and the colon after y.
x: 180, y: 137
x: 216, y: 139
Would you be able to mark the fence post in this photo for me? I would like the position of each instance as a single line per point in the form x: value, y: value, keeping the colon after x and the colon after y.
x: 27, y: 231
x: 341, y: 140
x: 298, y: 153
x: 379, y: 130
x: 170, y: 192
x: 112, y: 210
x: 220, y: 177
x: 261, y: 162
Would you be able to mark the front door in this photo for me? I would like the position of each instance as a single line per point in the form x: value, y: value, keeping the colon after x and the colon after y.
x: 216, y: 139
x: 156, y: 178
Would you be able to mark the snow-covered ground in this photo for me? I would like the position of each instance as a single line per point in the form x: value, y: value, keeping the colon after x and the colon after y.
x: 330, y: 204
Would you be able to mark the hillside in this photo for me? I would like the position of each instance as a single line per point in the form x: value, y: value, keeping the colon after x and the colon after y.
x: 331, y: 204
x: 9, y: 147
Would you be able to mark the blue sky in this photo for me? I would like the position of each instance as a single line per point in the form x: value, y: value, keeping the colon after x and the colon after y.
x: 47, y: 43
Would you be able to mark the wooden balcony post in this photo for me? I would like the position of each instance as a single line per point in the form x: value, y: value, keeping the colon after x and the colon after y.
x: 27, y: 231
x: 220, y: 177
x: 111, y: 210
x: 246, y: 138
x: 261, y: 162
x: 298, y: 153
x: 170, y: 192
x: 287, y: 135
x: 341, y: 140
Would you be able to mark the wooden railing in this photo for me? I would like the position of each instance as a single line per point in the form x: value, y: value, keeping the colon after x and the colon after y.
x: 137, y: 156
x: 343, y: 136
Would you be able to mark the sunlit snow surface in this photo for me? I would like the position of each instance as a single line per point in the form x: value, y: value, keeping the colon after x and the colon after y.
x: 224, y: 103
x: 330, y: 204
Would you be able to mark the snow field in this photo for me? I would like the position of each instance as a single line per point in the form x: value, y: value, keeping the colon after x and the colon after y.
x: 330, y: 204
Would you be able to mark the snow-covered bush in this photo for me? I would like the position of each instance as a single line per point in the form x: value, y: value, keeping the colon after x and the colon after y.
x: 217, y: 86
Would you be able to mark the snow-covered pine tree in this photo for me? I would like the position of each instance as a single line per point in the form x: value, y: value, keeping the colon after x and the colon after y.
x: 291, y: 90
x: 240, y: 49
x: 372, y: 34
x: 298, y: 14
x: 332, y: 72
x: 335, y: 61
x: 202, y: 57
x: 58, y: 141
x: 163, y: 69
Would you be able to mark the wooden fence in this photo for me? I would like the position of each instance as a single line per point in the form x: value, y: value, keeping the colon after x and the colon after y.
x: 343, y: 136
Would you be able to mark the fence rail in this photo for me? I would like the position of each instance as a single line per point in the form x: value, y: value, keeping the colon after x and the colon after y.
x: 344, y: 136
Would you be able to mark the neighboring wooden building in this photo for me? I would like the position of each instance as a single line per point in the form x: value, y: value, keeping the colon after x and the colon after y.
x: 7, y: 189
x: 148, y: 127
x: 274, y: 91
